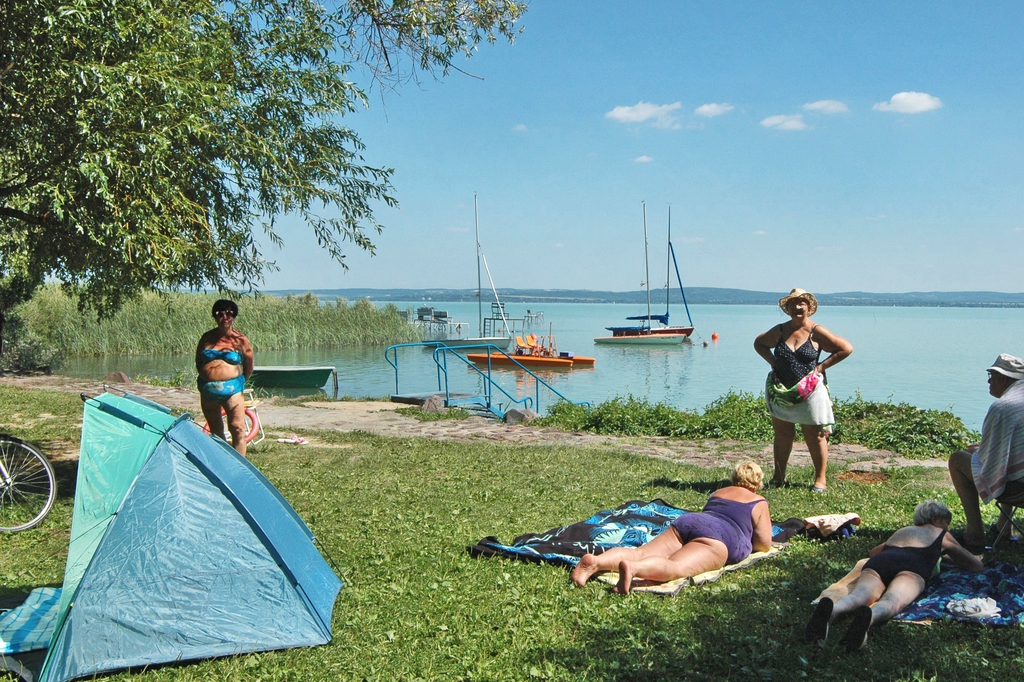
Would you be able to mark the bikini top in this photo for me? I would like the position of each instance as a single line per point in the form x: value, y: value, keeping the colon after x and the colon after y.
x: 793, y: 365
x: 231, y: 357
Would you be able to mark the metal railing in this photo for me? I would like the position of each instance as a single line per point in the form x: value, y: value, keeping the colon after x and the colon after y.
x: 440, y: 356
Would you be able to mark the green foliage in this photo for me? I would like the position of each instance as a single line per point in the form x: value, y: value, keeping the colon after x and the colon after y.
x: 452, y: 413
x: 147, y: 143
x: 23, y: 350
x: 903, y: 429
x: 172, y: 323
x: 396, y: 515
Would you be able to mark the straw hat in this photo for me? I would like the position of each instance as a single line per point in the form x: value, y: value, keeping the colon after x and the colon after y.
x: 812, y: 303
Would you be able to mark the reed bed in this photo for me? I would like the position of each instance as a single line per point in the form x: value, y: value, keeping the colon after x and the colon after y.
x: 172, y: 323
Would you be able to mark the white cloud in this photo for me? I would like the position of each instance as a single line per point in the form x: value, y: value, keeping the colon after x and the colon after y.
x: 827, y: 106
x: 660, y: 115
x: 909, y: 103
x: 559, y: 245
x: 785, y: 122
x: 644, y: 159
x: 711, y: 110
x: 520, y: 128
x: 758, y: 232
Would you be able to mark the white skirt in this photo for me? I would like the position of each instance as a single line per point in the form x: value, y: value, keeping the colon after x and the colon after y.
x: 814, y: 410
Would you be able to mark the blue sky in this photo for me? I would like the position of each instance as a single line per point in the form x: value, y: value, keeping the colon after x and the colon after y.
x: 869, y: 146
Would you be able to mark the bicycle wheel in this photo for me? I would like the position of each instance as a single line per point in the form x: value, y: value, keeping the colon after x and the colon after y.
x: 28, y: 487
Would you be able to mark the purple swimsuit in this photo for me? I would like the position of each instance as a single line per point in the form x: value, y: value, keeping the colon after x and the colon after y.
x: 724, y: 520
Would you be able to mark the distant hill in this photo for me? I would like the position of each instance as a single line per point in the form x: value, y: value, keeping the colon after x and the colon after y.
x: 970, y: 299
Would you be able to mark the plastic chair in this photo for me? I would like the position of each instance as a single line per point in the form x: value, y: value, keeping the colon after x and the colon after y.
x: 1009, y: 505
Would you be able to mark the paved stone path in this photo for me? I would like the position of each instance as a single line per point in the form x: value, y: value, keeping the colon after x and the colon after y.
x: 283, y: 419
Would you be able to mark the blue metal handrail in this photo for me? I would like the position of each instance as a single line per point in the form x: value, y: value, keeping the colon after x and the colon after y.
x: 393, y: 350
x: 440, y: 355
x: 441, y: 360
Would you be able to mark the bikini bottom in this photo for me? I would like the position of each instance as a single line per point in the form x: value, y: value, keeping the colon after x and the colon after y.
x: 220, y: 391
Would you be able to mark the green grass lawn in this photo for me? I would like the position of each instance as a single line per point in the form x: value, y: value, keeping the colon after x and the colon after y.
x: 396, y: 516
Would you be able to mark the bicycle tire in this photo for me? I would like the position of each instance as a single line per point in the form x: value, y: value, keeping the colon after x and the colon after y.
x: 28, y: 492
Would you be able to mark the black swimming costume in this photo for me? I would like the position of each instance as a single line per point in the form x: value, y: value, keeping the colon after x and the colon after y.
x: 892, y: 561
x: 793, y: 365
x: 724, y: 520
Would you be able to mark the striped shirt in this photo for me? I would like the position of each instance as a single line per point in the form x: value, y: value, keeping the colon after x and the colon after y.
x: 1000, y: 458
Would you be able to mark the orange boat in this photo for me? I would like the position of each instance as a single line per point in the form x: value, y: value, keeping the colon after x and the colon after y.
x: 532, y: 352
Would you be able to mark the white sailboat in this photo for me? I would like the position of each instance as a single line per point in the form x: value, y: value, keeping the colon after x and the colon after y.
x: 644, y: 334
x: 502, y: 342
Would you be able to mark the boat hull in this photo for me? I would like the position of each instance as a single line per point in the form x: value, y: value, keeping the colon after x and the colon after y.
x: 290, y: 377
x: 529, y: 360
x: 645, y: 340
x: 655, y: 331
x: 498, y: 341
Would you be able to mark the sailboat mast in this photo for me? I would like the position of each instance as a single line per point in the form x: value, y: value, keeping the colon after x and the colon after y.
x: 668, y: 264
x: 647, y: 268
x: 479, y: 281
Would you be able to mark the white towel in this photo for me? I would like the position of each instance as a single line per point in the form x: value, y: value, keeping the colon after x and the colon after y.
x: 981, y: 607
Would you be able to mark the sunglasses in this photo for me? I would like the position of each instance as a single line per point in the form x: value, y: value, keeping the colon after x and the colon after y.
x: 223, y: 313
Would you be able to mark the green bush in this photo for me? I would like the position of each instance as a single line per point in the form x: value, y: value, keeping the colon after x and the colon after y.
x: 903, y: 429
x: 24, y: 350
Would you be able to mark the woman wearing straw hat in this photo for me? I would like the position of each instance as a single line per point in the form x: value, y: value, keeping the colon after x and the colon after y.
x: 796, y: 390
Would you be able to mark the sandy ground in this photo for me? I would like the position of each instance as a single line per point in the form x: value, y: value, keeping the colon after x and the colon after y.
x: 380, y: 418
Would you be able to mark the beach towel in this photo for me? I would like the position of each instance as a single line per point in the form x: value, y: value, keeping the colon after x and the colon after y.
x: 29, y: 626
x: 960, y: 595
x: 798, y: 406
x: 673, y: 587
x: 1001, y: 582
x: 630, y: 524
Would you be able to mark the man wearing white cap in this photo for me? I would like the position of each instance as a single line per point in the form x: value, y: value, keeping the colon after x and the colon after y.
x: 996, y: 465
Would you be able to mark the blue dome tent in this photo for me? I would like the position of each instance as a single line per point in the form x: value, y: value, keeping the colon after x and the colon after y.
x: 180, y: 550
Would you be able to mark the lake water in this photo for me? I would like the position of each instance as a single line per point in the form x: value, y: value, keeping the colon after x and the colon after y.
x: 934, y: 358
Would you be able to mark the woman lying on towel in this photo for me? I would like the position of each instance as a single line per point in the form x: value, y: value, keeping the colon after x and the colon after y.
x: 894, y: 575
x: 734, y: 522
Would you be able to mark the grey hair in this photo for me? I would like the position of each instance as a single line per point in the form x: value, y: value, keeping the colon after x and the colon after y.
x: 930, y: 510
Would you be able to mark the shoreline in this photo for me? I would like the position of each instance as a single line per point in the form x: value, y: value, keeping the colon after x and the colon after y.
x: 282, y: 420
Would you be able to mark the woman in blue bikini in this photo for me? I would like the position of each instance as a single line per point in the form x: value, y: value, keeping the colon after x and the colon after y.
x: 796, y: 389
x: 734, y: 522
x: 224, y: 361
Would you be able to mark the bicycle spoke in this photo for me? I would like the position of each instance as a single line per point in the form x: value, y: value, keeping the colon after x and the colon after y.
x: 27, y: 485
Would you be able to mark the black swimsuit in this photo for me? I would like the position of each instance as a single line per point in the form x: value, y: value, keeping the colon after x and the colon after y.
x: 793, y: 365
x: 892, y: 561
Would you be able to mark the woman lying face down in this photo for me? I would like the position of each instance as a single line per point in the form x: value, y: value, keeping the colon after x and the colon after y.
x: 734, y: 522
x: 895, y: 574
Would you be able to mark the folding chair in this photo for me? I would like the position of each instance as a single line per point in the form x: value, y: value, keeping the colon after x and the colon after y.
x: 1009, y: 505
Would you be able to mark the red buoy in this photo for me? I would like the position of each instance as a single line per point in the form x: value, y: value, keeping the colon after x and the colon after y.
x: 714, y: 336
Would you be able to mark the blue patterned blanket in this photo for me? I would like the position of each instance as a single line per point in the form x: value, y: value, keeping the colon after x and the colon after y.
x: 1000, y: 581
x: 628, y: 525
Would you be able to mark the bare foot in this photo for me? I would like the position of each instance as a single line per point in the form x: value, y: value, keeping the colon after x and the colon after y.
x: 625, y: 578
x: 586, y: 568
